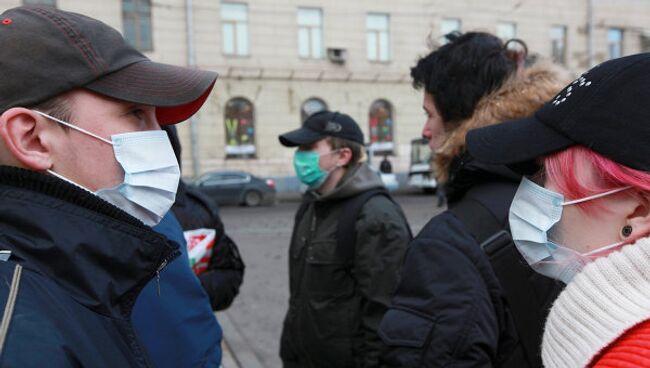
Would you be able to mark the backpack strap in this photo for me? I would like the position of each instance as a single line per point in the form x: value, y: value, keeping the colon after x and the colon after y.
x: 514, y: 275
x: 346, y: 231
x: 9, y: 306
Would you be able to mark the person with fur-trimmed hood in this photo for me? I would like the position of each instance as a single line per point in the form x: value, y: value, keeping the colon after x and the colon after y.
x: 452, y: 306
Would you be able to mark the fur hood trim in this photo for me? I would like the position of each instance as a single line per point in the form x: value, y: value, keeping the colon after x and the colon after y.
x: 519, y: 97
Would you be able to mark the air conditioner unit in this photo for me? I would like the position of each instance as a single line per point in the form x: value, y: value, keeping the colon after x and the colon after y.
x: 337, y: 55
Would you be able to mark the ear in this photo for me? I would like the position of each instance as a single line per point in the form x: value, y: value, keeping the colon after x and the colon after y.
x: 345, y: 155
x: 25, y: 138
x: 639, y: 218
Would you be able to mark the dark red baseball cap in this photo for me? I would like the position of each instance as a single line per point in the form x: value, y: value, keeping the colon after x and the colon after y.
x: 45, y: 52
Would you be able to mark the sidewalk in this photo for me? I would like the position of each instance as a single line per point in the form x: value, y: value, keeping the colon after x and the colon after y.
x: 227, y: 359
x: 237, y: 352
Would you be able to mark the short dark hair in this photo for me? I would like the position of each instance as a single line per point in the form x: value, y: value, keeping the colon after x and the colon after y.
x: 58, y: 107
x: 461, y: 72
x: 356, y: 148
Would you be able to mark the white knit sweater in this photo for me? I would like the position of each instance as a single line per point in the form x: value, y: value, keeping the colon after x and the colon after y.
x: 610, y: 296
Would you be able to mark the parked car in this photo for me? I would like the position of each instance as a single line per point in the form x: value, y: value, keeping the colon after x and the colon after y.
x: 236, y: 187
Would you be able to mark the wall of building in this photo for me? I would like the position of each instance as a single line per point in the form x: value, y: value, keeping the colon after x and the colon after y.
x: 277, y: 81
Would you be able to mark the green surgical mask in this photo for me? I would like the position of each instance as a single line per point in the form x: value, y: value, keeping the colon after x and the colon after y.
x: 308, y: 170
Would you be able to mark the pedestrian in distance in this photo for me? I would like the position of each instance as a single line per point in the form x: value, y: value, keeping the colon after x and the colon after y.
x: 458, y: 301
x: 385, y: 166
x: 582, y: 213
x: 347, y: 245
x: 85, y: 171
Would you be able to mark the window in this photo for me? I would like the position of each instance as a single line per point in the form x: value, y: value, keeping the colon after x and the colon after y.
x: 136, y: 15
x: 558, y: 44
x: 615, y: 42
x: 381, y: 127
x: 234, y: 23
x: 449, y: 25
x: 311, y: 106
x: 378, y: 37
x: 506, y: 30
x: 645, y: 42
x: 40, y: 2
x: 310, y: 33
x: 240, y: 128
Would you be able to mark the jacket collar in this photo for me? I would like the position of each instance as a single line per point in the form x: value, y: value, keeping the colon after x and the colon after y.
x: 606, y: 299
x: 357, y: 179
x: 466, y: 172
x: 98, y: 253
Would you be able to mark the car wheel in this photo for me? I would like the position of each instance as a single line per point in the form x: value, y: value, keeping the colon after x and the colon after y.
x: 252, y: 198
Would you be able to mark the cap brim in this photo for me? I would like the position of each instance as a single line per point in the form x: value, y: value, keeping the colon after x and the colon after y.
x: 177, y: 92
x: 515, y: 142
x: 300, y: 136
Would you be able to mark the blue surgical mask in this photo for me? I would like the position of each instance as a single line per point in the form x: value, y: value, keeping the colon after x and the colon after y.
x: 151, y: 173
x: 533, y: 213
x: 308, y: 171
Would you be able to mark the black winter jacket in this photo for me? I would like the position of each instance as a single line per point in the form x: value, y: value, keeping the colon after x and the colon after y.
x: 336, y: 303
x: 225, y: 272
x: 449, y: 309
x: 83, y: 262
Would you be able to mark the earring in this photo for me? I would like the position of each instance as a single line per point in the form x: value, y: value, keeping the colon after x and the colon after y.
x: 627, y: 231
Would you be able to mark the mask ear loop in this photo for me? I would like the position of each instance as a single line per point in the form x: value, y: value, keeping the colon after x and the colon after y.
x: 596, y: 196
x: 68, y: 180
x: 82, y: 130
x: 336, y: 166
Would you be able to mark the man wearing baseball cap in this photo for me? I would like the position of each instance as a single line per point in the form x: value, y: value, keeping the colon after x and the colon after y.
x: 347, y: 246
x: 85, y: 171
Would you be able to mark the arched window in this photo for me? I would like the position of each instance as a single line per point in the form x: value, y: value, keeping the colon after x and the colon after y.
x: 311, y: 106
x: 381, y: 123
x: 136, y: 15
x: 240, y: 128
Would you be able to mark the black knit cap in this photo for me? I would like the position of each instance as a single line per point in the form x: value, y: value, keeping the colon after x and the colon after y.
x: 607, y: 110
x: 46, y: 52
x: 323, y: 124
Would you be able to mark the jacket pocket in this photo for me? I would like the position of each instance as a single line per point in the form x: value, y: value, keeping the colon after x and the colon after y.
x: 405, y: 336
x: 327, y: 272
x: 403, y: 328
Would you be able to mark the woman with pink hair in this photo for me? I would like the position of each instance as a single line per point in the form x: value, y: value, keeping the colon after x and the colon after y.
x: 582, y: 215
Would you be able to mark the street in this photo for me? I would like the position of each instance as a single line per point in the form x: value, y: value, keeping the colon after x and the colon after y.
x: 263, y: 236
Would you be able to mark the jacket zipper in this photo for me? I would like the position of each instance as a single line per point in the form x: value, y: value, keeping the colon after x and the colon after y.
x: 160, y: 268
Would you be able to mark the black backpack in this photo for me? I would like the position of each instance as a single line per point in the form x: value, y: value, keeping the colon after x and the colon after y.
x: 346, y: 232
x: 528, y: 294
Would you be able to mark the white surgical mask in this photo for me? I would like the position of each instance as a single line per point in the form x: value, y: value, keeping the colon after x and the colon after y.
x: 151, y: 173
x: 534, y: 211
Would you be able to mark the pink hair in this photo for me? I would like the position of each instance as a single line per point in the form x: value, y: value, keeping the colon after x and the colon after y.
x: 579, y: 172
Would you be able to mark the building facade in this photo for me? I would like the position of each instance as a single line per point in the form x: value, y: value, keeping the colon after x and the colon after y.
x: 280, y: 60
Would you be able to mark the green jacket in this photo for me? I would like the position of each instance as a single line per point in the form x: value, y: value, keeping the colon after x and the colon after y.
x: 336, y: 304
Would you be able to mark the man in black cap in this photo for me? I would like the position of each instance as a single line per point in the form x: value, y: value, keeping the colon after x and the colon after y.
x: 85, y: 171
x: 347, y: 246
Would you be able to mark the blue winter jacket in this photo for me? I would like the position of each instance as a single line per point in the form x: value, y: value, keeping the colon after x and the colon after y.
x: 82, y: 264
x: 177, y: 327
